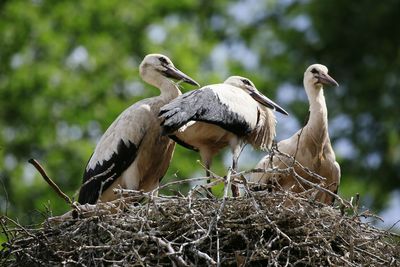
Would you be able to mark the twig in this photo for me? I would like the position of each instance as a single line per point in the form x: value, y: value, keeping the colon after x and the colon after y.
x: 297, y: 145
x: 391, y: 227
x: 3, y: 228
x: 205, y: 256
x: 171, y: 252
x: 6, y: 195
x: 20, y: 227
x: 293, y: 172
x: 52, y: 184
x: 259, y: 228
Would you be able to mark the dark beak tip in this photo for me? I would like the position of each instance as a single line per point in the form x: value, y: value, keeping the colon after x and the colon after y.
x: 193, y: 82
x: 176, y: 74
x: 284, y: 112
x: 333, y: 83
x: 328, y: 80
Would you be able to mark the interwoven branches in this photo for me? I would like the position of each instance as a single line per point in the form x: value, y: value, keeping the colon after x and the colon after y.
x: 258, y: 229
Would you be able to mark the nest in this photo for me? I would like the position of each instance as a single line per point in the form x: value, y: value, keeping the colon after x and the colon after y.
x: 257, y: 229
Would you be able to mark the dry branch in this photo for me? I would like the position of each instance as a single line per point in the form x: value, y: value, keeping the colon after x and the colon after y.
x: 52, y: 184
x: 257, y: 229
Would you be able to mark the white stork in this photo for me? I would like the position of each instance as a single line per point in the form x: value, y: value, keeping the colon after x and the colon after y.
x: 312, y: 142
x: 132, y: 153
x: 230, y: 114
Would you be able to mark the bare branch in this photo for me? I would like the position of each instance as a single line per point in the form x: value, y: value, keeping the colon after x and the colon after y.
x: 52, y: 184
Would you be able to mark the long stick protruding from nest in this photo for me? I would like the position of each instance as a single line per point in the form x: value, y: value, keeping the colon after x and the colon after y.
x: 52, y: 184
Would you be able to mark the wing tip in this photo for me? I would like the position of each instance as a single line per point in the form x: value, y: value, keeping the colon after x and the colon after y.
x: 86, y: 197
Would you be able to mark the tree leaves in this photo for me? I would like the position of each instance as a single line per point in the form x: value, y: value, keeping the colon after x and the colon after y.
x: 67, y: 69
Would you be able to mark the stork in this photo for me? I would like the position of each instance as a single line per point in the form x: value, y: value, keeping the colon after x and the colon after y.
x: 310, y: 145
x: 132, y: 153
x: 230, y: 114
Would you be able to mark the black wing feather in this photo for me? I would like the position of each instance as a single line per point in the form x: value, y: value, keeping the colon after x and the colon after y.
x: 182, y: 143
x: 99, y: 178
x: 201, y: 105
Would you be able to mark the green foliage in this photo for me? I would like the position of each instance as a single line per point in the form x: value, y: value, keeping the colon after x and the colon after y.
x: 68, y: 68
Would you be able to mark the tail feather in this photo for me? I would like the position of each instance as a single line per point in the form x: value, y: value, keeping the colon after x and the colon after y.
x: 264, y: 133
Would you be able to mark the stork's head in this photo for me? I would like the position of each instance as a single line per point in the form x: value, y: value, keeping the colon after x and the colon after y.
x: 156, y: 66
x: 249, y: 87
x: 316, y: 76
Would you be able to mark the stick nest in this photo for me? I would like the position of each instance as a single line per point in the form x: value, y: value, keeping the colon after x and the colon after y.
x: 258, y: 229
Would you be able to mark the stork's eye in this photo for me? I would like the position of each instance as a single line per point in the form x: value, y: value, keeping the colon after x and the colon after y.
x: 314, y: 71
x: 163, y: 60
x: 246, y: 82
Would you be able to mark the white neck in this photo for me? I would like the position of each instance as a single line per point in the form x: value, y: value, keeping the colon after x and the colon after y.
x: 169, y: 90
x: 317, y: 125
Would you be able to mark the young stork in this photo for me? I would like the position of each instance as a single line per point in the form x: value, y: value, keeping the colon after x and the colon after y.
x: 132, y: 153
x: 310, y: 145
x: 230, y: 114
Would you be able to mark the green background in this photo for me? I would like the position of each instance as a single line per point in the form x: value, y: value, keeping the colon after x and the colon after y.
x: 68, y: 68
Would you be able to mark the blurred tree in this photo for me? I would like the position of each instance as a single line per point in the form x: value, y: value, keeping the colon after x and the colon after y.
x: 68, y: 68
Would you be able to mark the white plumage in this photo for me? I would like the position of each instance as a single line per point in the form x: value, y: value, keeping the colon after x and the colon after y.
x: 132, y: 153
x: 314, y: 149
x: 230, y: 114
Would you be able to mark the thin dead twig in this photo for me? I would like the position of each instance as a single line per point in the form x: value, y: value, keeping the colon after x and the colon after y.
x: 52, y: 184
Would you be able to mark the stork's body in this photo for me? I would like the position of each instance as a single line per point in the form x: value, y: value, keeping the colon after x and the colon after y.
x: 132, y: 153
x: 312, y: 143
x: 230, y: 114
